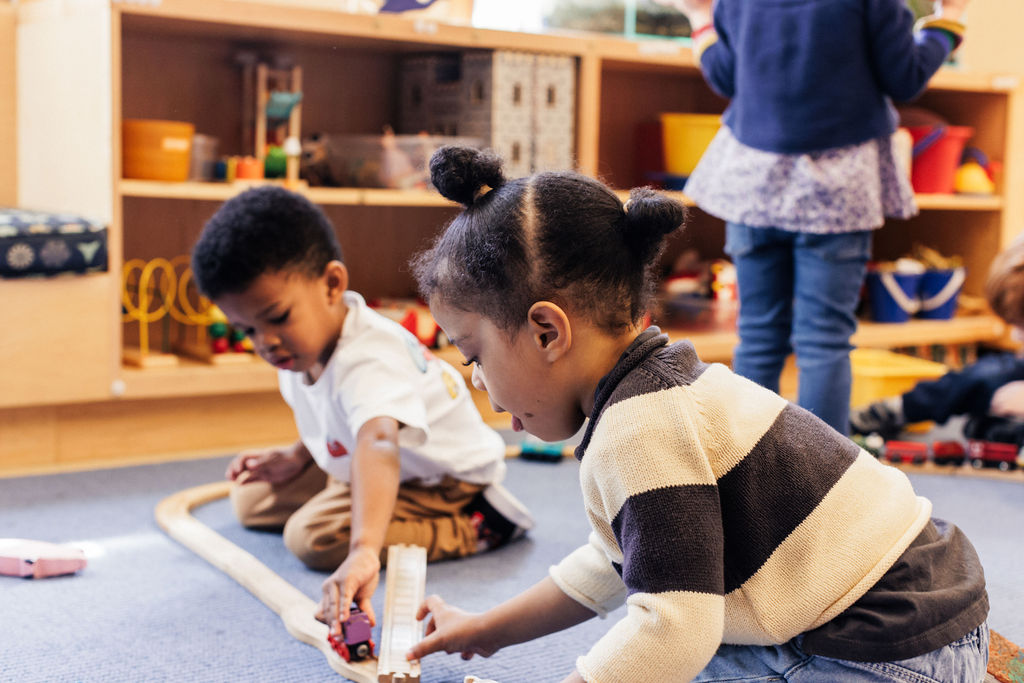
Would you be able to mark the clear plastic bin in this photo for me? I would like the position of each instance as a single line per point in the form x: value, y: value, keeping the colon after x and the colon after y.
x: 388, y: 161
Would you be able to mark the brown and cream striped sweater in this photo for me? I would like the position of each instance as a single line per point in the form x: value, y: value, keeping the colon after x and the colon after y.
x: 723, y: 514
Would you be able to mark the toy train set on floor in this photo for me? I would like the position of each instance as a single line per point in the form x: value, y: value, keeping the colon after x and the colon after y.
x: 992, y: 442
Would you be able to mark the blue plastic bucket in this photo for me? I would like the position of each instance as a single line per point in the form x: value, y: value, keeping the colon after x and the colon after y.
x: 893, y: 296
x: 939, y: 292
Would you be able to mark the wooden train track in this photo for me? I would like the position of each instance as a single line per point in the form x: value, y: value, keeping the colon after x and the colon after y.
x: 295, y: 608
x: 406, y: 577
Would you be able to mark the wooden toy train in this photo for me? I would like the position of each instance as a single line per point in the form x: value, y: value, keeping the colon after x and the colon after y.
x: 991, y: 442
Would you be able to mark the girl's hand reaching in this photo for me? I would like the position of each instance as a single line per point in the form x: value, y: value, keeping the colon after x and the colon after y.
x: 451, y: 629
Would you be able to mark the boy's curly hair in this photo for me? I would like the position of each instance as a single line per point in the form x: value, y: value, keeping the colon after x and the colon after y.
x: 262, y: 230
x: 1004, y: 288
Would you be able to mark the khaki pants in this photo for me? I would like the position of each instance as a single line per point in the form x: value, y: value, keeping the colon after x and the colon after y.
x: 315, y: 511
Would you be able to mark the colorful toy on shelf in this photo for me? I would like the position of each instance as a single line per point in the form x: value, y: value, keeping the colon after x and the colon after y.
x: 203, y: 330
x: 976, y: 174
x: 414, y: 316
x: 355, y: 643
x: 147, y: 295
x: 272, y: 118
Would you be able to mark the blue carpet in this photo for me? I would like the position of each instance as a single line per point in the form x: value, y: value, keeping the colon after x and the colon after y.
x: 147, y: 609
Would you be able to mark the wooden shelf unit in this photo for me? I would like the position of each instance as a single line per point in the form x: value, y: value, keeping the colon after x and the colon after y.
x: 174, y: 60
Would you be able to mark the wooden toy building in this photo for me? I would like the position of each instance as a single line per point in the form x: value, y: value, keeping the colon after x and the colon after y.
x: 521, y: 104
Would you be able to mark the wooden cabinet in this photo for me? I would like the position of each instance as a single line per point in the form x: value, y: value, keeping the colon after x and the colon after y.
x: 85, y: 66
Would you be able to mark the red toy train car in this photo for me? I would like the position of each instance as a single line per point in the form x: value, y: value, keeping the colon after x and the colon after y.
x: 995, y: 442
x: 991, y: 442
x: 918, y: 452
x: 355, y: 643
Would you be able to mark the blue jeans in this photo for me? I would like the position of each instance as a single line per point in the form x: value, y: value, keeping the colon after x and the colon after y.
x: 962, y: 661
x: 797, y: 293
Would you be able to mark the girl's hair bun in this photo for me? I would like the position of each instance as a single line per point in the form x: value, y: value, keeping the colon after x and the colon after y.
x: 650, y: 216
x: 459, y: 173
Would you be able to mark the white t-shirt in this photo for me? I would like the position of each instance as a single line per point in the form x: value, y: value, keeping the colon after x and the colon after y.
x: 379, y: 369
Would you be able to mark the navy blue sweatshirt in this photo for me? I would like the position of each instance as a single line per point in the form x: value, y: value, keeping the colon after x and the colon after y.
x: 808, y: 75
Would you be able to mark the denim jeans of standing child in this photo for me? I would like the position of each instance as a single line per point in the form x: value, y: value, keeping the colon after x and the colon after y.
x: 962, y: 661
x: 797, y: 293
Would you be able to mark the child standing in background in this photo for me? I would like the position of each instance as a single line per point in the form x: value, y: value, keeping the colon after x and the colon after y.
x: 803, y: 170
x: 993, y: 386
x: 391, y: 450
x: 748, y: 540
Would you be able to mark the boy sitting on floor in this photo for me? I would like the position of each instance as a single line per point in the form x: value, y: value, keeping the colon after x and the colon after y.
x: 993, y: 386
x: 401, y: 454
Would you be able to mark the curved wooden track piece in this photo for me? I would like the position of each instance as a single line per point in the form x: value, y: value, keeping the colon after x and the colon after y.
x: 295, y: 608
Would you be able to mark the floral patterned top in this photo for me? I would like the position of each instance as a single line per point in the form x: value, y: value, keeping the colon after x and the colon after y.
x: 843, y: 189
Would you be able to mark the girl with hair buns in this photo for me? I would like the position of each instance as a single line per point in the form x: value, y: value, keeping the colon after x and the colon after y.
x: 745, y: 536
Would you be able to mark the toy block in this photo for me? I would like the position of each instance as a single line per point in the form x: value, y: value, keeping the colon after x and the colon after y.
x: 554, y: 111
x: 39, y: 559
x: 497, y: 105
x: 405, y: 583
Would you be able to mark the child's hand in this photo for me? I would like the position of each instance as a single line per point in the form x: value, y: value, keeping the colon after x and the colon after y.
x: 274, y: 465
x: 452, y: 630
x: 1008, y: 401
x: 354, y: 581
x: 951, y: 9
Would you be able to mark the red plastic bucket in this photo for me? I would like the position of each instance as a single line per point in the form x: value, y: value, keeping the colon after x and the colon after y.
x: 937, y: 152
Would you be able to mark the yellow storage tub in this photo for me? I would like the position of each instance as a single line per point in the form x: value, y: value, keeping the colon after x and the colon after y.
x: 156, y: 150
x: 685, y: 137
x: 879, y: 374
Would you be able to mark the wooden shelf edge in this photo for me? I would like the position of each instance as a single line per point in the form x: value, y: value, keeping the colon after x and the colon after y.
x: 959, y: 202
x: 358, y: 196
x: 190, y: 378
x: 717, y: 346
x: 960, y: 330
x: 926, y: 202
x: 341, y: 196
x: 951, y: 78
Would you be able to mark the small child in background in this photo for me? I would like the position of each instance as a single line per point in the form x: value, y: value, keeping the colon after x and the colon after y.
x: 992, y: 386
x: 803, y: 169
x: 392, y: 448
x: 748, y: 539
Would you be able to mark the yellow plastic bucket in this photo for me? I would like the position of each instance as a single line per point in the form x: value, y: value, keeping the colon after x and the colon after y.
x: 685, y: 137
x: 879, y: 374
x: 152, y: 149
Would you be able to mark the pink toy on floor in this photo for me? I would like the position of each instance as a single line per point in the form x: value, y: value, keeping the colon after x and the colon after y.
x: 38, y: 559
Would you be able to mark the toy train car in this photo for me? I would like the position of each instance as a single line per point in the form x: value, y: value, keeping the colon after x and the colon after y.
x: 991, y: 442
x: 355, y: 643
x: 918, y: 452
x: 995, y: 442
